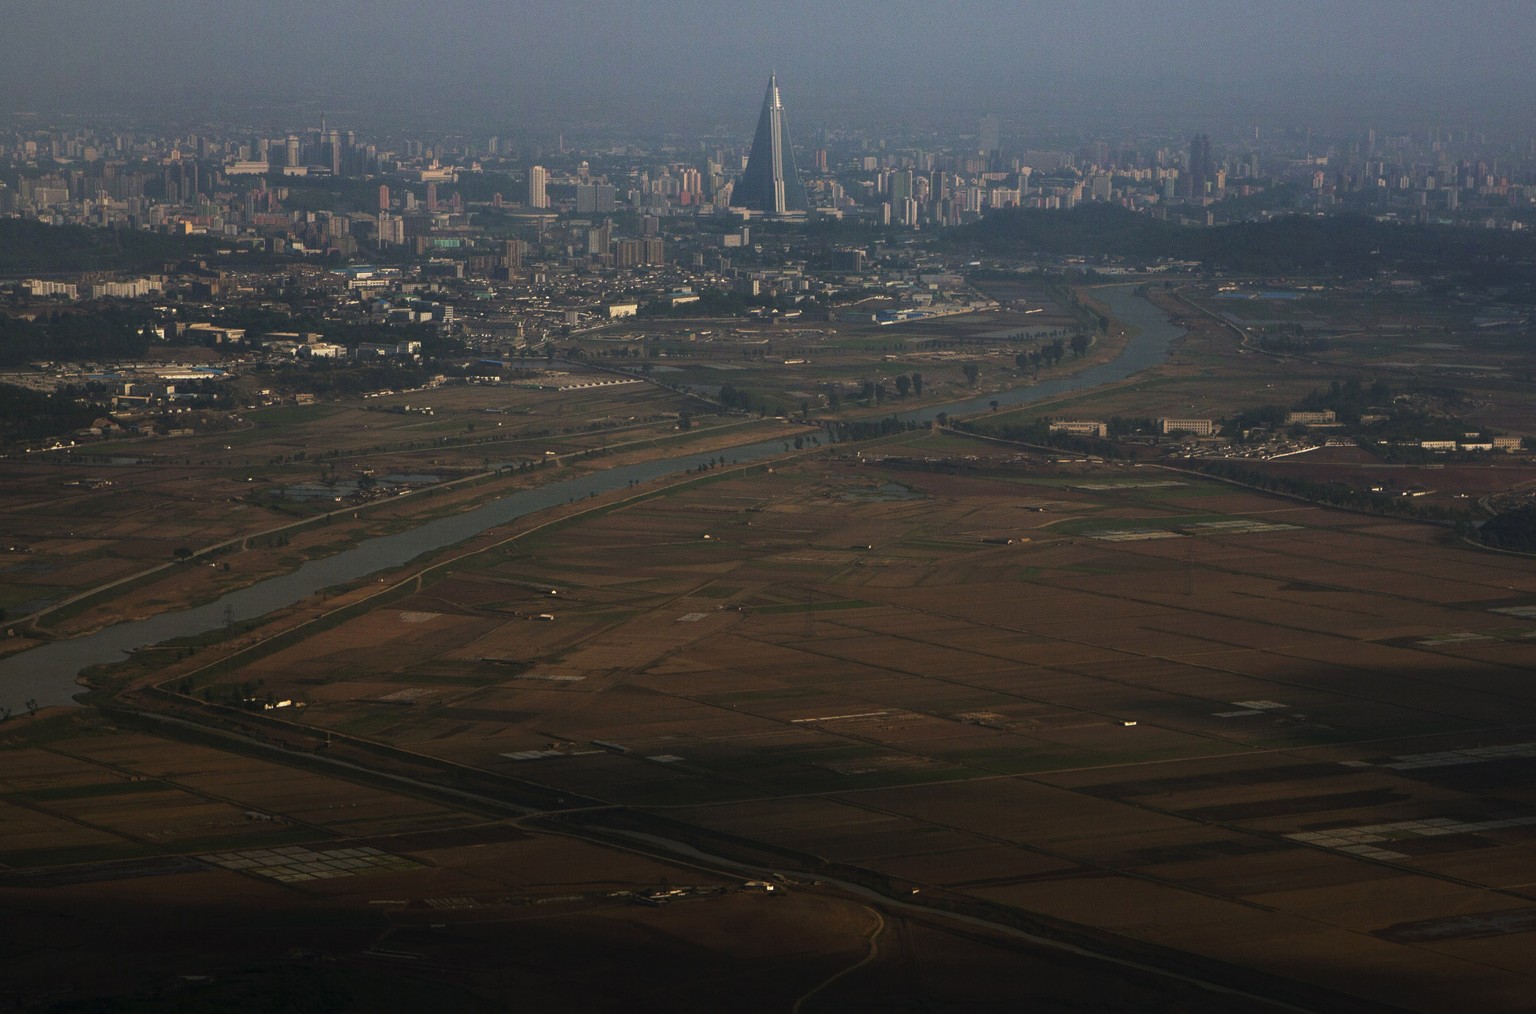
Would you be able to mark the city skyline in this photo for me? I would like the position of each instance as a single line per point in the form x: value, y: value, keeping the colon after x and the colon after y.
x: 487, y: 528
x: 1302, y: 60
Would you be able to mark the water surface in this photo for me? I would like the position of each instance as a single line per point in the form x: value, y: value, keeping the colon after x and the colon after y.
x: 46, y: 674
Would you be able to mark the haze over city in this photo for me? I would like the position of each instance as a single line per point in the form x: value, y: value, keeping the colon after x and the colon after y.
x: 680, y: 63
x: 768, y: 507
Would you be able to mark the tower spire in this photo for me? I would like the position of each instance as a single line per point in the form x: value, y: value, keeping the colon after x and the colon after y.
x: 771, y: 183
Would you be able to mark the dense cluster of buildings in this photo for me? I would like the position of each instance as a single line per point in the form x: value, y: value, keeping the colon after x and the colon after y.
x: 509, y: 244
x: 280, y: 189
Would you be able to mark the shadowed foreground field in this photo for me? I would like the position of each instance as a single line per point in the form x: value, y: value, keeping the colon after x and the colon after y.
x: 1251, y: 741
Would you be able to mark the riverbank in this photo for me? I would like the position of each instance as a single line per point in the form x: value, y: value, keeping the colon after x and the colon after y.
x: 47, y: 673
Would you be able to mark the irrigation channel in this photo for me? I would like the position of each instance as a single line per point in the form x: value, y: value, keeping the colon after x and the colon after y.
x: 47, y: 674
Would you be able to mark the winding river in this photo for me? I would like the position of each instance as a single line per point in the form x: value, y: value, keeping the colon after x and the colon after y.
x: 46, y: 674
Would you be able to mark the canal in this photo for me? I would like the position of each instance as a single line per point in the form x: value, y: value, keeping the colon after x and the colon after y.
x: 46, y: 674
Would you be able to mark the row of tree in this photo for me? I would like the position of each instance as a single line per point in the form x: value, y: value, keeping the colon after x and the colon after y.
x: 1514, y: 529
x: 26, y: 414
x: 1038, y: 433
x: 1334, y: 494
x: 743, y: 400
x: 93, y: 335
x: 1347, y: 245
x: 867, y: 429
x: 34, y: 248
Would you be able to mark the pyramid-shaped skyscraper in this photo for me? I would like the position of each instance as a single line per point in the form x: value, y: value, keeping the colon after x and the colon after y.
x: 771, y: 183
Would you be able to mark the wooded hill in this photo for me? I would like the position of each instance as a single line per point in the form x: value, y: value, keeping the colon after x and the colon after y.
x: 1350, y: 246
x: 34, y: 248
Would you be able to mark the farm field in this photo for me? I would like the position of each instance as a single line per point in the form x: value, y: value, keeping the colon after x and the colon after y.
x: 272, y: 487
x: 159, y: 871
x: 1177, y: 716
x: 77, y: 523
x: 1409, y: 340
x: 1411, y: 343
x: 1405, y: 342
x: 791, y: 367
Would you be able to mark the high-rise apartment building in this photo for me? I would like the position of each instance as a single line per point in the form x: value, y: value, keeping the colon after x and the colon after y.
x: 595, y: 198
x: 599, y: 238
x: 511, y: 259
x: 538, y: 187
x: 771, y: 183
x: 1202, y: 167
x: 989, y: 140
x: 391, y: 229
x: 630, y: 253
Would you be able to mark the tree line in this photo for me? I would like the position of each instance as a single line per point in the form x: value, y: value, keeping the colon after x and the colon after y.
x: 92, y: 335
x: 1334, y: 494
x: 26, y: 414
x: 33, y: 248
x: 1348, y: 245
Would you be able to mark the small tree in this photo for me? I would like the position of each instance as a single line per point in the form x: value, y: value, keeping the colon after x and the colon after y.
x: 972, y: 373
x: 182, y: 553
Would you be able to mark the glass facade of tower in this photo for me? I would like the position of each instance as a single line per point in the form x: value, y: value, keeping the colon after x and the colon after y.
x: 771, y: 183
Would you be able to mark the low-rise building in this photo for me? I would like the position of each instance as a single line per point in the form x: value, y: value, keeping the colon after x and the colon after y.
x: 1080, y: 427
x: 378, y: 350
x: 214, y: 334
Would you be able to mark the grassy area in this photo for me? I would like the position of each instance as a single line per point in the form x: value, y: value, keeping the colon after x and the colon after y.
x: 15, y: 594
x: 122, y: 787
x: 1101, y: 523
x: 749, y: 696
x: 294, y: 415
x: 76, y: 854
x: 256, y: 838
x: 813, y: 607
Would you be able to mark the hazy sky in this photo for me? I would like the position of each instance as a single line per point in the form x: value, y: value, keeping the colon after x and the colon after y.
x: 691, y: 61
